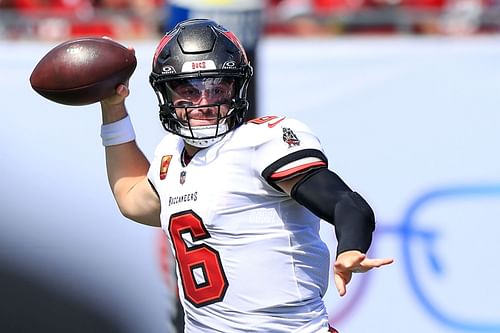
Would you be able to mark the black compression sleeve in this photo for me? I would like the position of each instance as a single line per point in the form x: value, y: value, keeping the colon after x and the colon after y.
x: 325, y: 194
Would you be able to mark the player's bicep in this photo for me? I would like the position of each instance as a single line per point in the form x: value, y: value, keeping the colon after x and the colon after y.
x: 288, y: 184
x: 141, y: 203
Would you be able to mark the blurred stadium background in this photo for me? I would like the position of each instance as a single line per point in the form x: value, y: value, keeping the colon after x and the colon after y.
x: 62, y: 19
x: 402, y: 93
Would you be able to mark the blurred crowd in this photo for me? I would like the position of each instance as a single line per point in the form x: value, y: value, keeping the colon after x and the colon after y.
x: 61, y: 19
x: 457, y: 17
x: 134, y: 19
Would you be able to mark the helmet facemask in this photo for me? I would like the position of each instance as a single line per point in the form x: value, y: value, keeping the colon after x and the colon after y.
x: 201, y: 110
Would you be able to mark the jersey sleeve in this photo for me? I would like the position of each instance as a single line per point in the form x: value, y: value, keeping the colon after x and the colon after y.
x: 160, y: 162
x: 153, y: 171
x: 289, y: 149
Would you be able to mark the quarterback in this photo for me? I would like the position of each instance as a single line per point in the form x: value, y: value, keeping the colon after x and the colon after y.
x: 240, y: 202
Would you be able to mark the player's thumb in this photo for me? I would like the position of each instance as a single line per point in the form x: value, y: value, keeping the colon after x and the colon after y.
x: 121, y: 92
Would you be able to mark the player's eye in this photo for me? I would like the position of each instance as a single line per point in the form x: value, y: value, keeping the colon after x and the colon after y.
x: 219, y: 92
x: 191, y: 93
x: 183, y: 103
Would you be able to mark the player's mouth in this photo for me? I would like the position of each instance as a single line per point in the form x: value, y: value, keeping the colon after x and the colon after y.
x: 202, y: 118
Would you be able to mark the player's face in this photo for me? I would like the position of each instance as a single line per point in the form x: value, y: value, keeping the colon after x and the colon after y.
x: 202, y: 101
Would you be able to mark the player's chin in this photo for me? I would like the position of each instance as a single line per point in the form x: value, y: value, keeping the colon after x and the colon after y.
x: 203, y: 122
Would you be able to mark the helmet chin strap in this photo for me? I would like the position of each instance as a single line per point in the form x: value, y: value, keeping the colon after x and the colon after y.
x: 203, y: 136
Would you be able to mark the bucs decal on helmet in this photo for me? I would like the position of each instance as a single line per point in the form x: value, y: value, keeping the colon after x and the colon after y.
x: 194, y: 66
x: 289, y: 137
x: 164, y: 164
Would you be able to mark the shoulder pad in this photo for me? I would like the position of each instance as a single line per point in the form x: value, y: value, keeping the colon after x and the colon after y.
x: 273, y: 125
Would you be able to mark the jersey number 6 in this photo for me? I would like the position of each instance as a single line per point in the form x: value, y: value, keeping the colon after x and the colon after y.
x: 203, y: 279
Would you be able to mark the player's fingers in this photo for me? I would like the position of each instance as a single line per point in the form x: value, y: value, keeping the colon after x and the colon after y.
x: 129, y: 47
x: 340, y: 284
x: 374, y: 263
x: 369, y: 264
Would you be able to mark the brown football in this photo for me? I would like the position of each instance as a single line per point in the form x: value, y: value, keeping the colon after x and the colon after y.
x: 83, y: 71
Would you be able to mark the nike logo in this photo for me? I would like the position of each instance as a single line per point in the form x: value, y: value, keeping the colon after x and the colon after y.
x: 272, y: 124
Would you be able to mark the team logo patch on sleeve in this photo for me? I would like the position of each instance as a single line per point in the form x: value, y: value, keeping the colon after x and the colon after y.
x: 290, y: 138
x: 165, y: 163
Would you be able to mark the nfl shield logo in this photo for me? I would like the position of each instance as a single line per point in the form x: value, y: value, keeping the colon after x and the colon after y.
x: 182, y: 179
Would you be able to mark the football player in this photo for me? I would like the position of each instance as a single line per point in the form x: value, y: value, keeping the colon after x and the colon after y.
x: 240, y: 202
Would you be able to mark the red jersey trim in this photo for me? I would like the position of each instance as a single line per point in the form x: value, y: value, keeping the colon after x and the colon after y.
x: 296, y: 170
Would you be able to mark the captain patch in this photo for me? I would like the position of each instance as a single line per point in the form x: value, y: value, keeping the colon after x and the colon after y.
x: 165, y: 163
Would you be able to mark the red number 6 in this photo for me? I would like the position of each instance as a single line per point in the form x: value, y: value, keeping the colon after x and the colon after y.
x: 203, y: 278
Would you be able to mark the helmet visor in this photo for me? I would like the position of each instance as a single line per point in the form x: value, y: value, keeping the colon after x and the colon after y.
x: 201, y: 91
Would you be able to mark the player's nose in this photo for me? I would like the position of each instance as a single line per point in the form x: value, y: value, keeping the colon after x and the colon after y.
x: 204, y: 111
x: 205, y: 106
x: 205, y: 98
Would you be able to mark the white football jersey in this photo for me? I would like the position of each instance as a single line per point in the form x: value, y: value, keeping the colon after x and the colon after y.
x: 249, y: 258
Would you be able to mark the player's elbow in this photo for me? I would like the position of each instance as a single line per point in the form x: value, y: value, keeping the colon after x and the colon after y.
x: 137, y: 201
x: 149, y: 216
x: 125, y: 211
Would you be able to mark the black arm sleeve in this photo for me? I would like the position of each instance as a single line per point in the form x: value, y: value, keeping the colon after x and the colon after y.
x: 328, y: 197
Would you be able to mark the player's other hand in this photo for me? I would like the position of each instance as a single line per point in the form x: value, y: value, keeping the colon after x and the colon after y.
x: 353, y: 262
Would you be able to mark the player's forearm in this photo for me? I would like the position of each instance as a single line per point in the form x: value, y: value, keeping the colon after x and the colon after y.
x: 113, y: 112
x: 326, y: 195
x: 124, y: 159
x: 127, y: 166
x: 127, y: 169
x: 125, y: 163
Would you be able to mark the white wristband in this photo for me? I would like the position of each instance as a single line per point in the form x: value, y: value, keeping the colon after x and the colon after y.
x: 117, y: 132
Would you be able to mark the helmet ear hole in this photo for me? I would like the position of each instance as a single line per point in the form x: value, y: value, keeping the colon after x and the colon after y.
x: 200, y: 48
